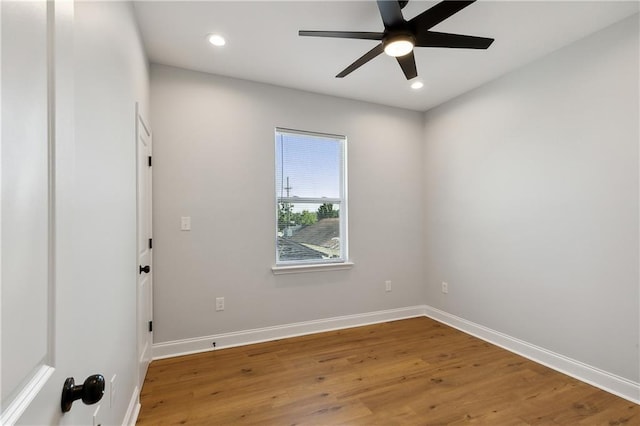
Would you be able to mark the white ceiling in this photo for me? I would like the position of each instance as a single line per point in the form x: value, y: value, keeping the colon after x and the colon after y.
x: 263, y: 43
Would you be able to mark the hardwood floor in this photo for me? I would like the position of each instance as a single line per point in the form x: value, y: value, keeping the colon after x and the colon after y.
x: 409, y: 372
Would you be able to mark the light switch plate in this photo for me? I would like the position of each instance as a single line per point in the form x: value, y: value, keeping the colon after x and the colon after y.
x: 219, y: 303
x: 185, y: 223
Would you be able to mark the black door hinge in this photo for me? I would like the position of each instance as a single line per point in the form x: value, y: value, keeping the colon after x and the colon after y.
x: 150, y: 243
x: 150, y: 326
x: 149, y: 161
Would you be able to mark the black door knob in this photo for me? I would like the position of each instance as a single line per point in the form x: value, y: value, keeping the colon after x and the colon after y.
x: 90, y: 391
x: 146, y: 269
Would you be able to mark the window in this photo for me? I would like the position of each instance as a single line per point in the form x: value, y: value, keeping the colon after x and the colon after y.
x: 310, y: 198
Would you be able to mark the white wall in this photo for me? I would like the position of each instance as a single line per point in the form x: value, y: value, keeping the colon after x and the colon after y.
x: 214, y: 161
x: 112, y: 75
x: 531, y: 203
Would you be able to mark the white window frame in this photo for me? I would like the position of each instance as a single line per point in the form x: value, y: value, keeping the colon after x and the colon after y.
x: 342, y: 262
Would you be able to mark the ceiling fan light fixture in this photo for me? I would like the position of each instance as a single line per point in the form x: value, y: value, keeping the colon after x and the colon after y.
x: 417, y: 85
x: 399, y: 45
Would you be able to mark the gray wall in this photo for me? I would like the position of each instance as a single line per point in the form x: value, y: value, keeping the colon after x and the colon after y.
x: 531, y: 202
x: 214, y: 161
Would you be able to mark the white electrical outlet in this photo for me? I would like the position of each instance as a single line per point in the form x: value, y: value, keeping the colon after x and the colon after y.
x: 219, y: 303
x: 185, y: 223
x: 445, y: 287
x: 387, y: 285
x: 112, y: 391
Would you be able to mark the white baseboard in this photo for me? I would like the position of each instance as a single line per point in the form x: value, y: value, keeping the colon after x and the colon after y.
x: 246, y: 337
x: 611, y: 383
x: 133, y: 410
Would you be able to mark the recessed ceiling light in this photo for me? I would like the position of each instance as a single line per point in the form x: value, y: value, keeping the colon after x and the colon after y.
x: 216, y: 40
x: 417, y: 85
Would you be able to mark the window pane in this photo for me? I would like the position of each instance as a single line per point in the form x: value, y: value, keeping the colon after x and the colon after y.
x: 310, y: 197
x: 308, y: 231
x: 308, y: 166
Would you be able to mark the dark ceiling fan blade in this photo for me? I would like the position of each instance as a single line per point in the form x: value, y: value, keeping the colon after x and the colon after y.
x: 362, y: 60
x: 343, y: 34
x: 437, y: 14
x: 391, y: 13
x: 459, y: 41
x: 408, y: 65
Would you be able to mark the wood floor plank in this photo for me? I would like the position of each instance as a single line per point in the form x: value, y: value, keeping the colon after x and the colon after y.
x: 409, y: 372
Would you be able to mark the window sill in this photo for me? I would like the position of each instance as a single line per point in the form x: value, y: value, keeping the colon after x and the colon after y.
x: 297, y: 269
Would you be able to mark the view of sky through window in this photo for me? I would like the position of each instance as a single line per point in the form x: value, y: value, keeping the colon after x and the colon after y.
x: 308, y: 167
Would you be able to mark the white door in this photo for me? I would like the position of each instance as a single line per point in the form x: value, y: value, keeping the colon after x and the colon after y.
x: 32, y: 210
x: 44, y: 339
x: 27, y: 242
x: 145, y: 244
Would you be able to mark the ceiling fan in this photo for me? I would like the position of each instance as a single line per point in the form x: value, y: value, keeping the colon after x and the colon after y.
x: 400, y: 36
